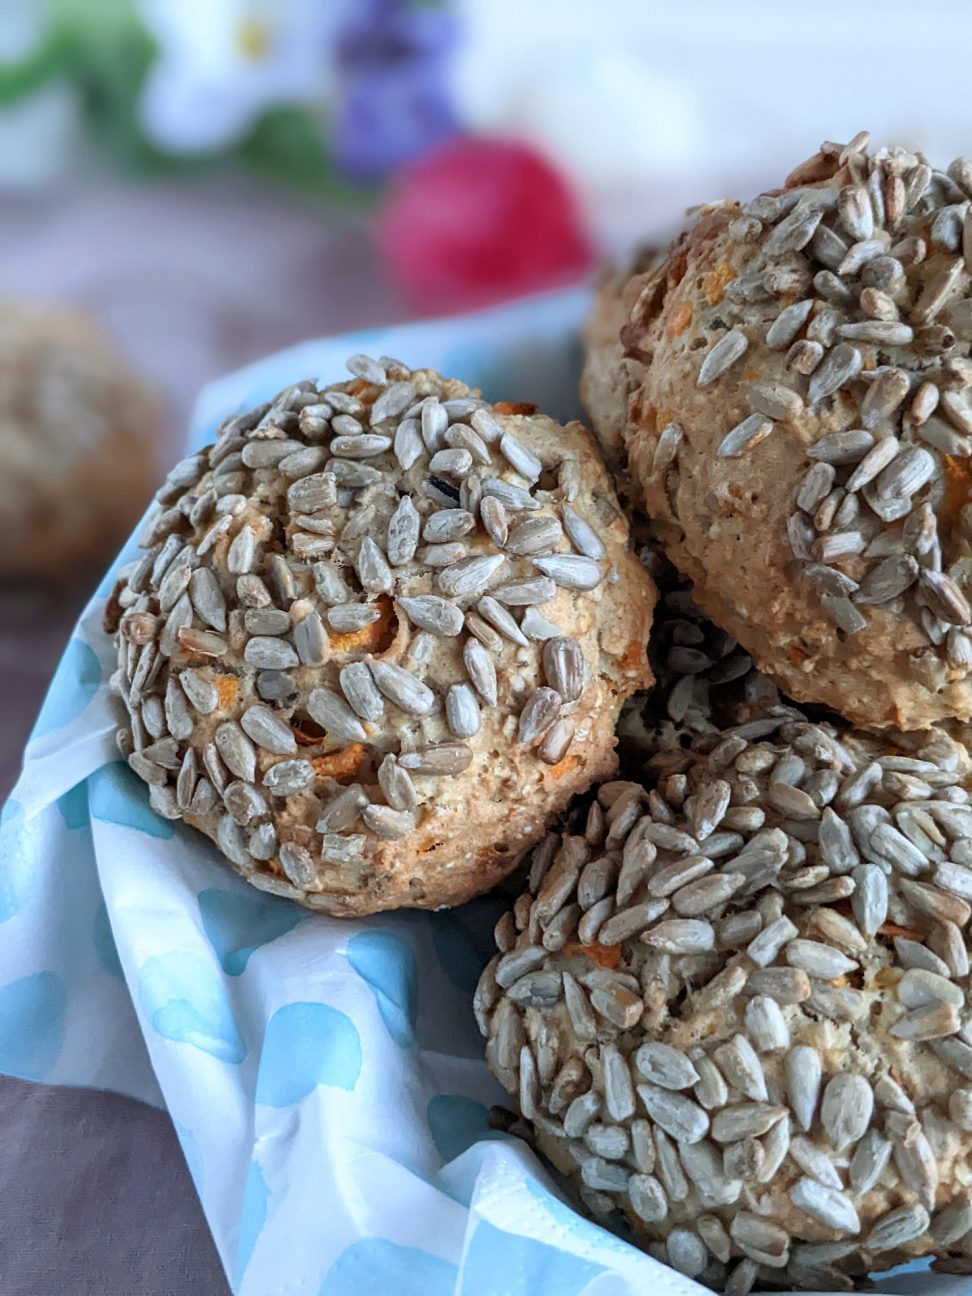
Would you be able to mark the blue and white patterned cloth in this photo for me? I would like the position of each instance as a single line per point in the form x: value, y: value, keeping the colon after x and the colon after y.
x: 325, y: 1078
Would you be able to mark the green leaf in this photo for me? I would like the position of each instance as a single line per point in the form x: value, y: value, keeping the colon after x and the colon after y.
x: 289, y: 145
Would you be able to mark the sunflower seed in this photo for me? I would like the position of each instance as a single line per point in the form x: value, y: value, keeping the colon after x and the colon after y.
x: 312, y: 494
x: 952, y: 1223
x: 841, y: 447
x: 556, y: 742
x: 816, y: 486
x: 933, y: 1021
x: 666, y: 452
x: 310, y: 640
x: 437, y: 761
x: 739, y: 1063
x: 462, y: 711
x: 794, y: 231
x: 535, y: 536
x: 275, y: 686
x: 677, y: 1115
x: 270, y: 653
x: 846, y: 1109
x: 496, y: 616
x: 341, y: 811
x: 402, y: 688
x: 897, y: 1227
x: 513, y: 498
x: 541, y: 710
x: 818, y: 959
x: 469, y: 577
x: 618, y: 1091
x: 408, y: 444
x: 372, y: 568
x: 288, y: 777
x: 839, y: 367
x: 430, y: 612
x: 804, y: 356
x: 571, y: 571
x: 833, y: 1209
x: 856, y: 213
x: 665, y: 1066
x: 494, y: 519
x: 745, y: 1120
x: 766, y: 1024
x: 524, y: 461
x: 686, y: 1252
x: 936, y: 903
x: 774, y: 400
x: 395, y: 398
x: 815, y: 1162
x: 880, y: 332
x: 403, y: 531
x: 723, y: 355
x: 481, y: 670
x: 629, y: 922
x: 236, y: 750
x: 451, y: 463
x: 785, y: 985
x: 744, y: 436
x: 268, y: 731
x: 859, y: 254
x: 937, y: 291
x: 266, y: 621
x: 582, y: 536
x: 788, y: 324
x: 563, y: 664
x: 448, y: 524
x: 526, y: 593
x: 335, y: 717
x: 389, y: 824
x: 648, y: 1199
x: 944, y: 597
x: 348, y: 618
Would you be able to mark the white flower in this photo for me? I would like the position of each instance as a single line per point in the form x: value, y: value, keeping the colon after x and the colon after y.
x: 222, y: 63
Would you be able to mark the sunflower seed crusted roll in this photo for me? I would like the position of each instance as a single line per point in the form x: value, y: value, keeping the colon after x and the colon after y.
x: 732, y: 1002
x: 792, y: 388
x: 381, y: 631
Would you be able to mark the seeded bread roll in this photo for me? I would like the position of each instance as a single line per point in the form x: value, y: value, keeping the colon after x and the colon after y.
x: 77, y: 442
x: 794, y: 387
x: 382, y: 631
x: 732, y: 1003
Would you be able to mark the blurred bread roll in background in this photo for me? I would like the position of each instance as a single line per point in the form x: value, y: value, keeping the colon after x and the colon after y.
x: 78, y: 442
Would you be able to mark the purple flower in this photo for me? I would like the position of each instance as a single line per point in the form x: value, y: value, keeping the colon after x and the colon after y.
x: 393, y: 105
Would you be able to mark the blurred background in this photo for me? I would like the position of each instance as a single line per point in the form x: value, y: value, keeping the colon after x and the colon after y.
x: 206, y: 181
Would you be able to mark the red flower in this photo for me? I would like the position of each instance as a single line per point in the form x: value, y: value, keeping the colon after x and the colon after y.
x: 478, y: 220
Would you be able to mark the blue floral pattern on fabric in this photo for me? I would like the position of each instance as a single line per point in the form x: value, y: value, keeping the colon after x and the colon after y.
x: 375, y: 1267
x: 239, y: 922
x: 306, y: 1045
x: 529, y: 1266
x: 184, y: 999
x: 77, y: 680
x: 387, y: 963
x: 19, y: 865
x: 119, y: 796
x: 253, y: 1214
x: 32, y: 1025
